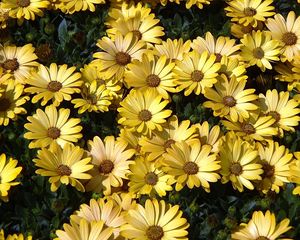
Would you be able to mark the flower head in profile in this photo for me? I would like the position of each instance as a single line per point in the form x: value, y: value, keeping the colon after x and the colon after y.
x: 191, y: 166
x: 287, y: 32
x: 67, y: 165
x: 51, y: 126
x: 295, y: 171
x: 71, y: 6
x: 249, y: 12
x: 8, y: 173
x: 262, y: 226
x: 156, y: 221
x: 16, y: 236
x: 143, y: 111
x: 239, y: 162
x: 56, y: 83
x: 19, y: 61
x: 111, y: 164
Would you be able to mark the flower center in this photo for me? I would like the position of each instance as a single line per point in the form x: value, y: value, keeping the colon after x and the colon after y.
x: 106, y: 166
x: 249, y: 12
x: 262, y: 238
x: 248, y: 128
x: 11, y: 64
x: 258, y: 53
x: 137, y: 34
x: 53, y: 132
x: 236, y: 169
x: 151, y: 178
x: 92, y: 99
x: 23, y: 3
x: 153, y: 80
x: 218, y: 57
x: 247, y: 29
x: 54, y: 86
x: 123, y: 58
x: 145, y: 115
x: 275, y: 115
x: 64, y: 170
x: 43, y: 52
x: 269, y: 170
x: 229, y: 101
x: 154, y: 233
x: 168, y: 143
x: 197, y: 76
x: 4, y: 104
x: 289, y: 38
x: 190, y: 168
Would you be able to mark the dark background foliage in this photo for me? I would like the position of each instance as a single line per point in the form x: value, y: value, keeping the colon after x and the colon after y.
x: 34, y: 209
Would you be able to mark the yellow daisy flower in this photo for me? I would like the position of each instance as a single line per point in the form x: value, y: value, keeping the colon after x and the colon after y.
x: 173, y: 132
x: 72, y: 6
x: 249, y: 12
x: 239, y: 162
x: 295, y: 171
x: 193, y: 165
x: 285, y: 111
x: 116, y: 54
x: 51, y: 126
x: 230, y: 98
x: 222, y: 46
x: 238, y: 30
x: 155, y: 221
x: 286, y: 74
x: 209, y: 136
x: 131, y: 139
x: 154, y: 73
x: 84, y: 231
x: 27, y: 9
x: 259, y: 49
x: 287, y: 32
x: 143, y: 27
x: 145, y: 178
x: 125, y: 200
x: 18, y: 60
x: 198, y: 3
x: 232, y: 67
x: 262, y: 226
x: 107, y: 211
x: 95, y: 98
x: 143, y: 111
x: 172, y: 49
x: 11, y: 102
x: 196, y: 72
x: 8, y: 173
x: 56, y: 83
x: 259, y: 128
x: 111, y: 164
x: 275, y: 161
x: 15, y: 236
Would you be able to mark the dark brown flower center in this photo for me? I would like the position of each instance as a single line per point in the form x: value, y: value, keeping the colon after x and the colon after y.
x: 197, y: 76
x: 249, y: 12
x: 92, y: 99
x: 123, y: 58
x: 190, y: 168
x: 11, y: 64
x: 106, y: 166
x: 258, y: 53
x: 262, y: 238
x: 236, y: 169
x: 269, y: 170
x: 275, y: 115
x: 153, y: 80
x: 23, y: 3
x: 154, y: 233
x: 229, y: 101
x: 4, y: 104
x: 247, y: 29
x: 53, y: 132
x: 151, y: 178
x: 248, y: 128
x: 64, y: 170
x: 137, y: 34
x: 43, y: 52
x: 289, y: 38
x: 168, y: 143
x: 145, y: 115
x: 218, y: 57
x: 54, y: 86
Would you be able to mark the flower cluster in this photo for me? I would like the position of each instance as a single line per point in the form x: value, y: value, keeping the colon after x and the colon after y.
x: 136, y: 72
